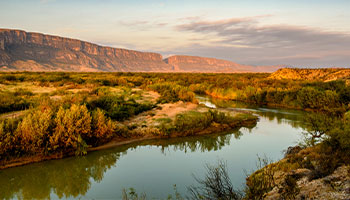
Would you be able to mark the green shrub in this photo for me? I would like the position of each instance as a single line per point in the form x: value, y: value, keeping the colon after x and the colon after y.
x: 171, y: 92
x: 34, y: 131
x: 102, y: 128
x: 72, y: 125
x: 118, y: 108
x: 8, y: 139
x: 11, y: 102
x: 192, y: 120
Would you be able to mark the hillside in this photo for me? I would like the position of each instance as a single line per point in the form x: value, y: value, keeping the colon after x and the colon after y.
x: 183, y: 63
x: 326, y: 74
x: 26, y: 51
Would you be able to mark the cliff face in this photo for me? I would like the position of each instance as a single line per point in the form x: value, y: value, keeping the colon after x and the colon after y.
x: 201, y: 64
x: 327, y: 74
x: 21, y: 50
x: 24, y: 51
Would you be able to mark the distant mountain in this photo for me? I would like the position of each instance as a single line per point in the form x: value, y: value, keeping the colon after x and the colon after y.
x: 26, y: 51
x: 321, y: 74
x: 202, y: 64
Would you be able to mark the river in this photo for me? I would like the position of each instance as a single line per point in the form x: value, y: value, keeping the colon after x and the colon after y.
x: 153, y: 167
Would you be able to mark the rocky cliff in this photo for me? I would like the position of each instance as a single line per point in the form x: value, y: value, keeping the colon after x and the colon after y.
x: 25, y: 51
x: 21, y: 50
x: 323, y: 74
x: 201, y: 64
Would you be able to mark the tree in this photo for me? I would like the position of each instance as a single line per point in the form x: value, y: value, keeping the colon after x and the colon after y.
x: 317, y: 126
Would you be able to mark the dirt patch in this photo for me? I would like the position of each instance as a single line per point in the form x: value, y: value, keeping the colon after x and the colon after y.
x: 172, y: 109
x: 168, y: 110
x: 13, y: 115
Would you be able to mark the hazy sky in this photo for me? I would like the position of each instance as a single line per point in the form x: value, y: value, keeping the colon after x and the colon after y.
x: 260, y: 32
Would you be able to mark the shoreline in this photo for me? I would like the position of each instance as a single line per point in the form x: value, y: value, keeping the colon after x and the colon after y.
x: 115, y: 142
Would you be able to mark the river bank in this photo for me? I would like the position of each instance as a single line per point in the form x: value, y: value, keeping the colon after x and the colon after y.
x: 300, y: 176
x: 148, y: 126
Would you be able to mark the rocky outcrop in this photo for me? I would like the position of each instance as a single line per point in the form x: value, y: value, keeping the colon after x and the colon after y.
x: 202, y: 64
x: 333, y: 186
x: 25, y: 51
x: 323, y: 74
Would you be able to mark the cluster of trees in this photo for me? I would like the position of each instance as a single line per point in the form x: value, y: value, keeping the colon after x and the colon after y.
x: 13, y: 101
x: 119, y: 107
x: 193, y: 121
x: 49, y: 130
x: 172, y: 92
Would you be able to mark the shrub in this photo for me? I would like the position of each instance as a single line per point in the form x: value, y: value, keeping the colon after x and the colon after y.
x: 72, y: 125
x: 171, y: 92
x: 11, y: 102
x: 289, y: 189
x: 102, y: 128
x: 8, y: 139
x: 215, y: 185
x: 118, y: 108
x: 262, y: 181
x: 34, y: 130
x: 189, y: 121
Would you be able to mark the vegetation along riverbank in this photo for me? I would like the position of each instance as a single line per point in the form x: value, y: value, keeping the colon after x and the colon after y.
x: 65, y: 114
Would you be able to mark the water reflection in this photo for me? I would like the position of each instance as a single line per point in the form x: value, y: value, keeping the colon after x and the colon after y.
x: 71, y: 177
x: 204, y: 143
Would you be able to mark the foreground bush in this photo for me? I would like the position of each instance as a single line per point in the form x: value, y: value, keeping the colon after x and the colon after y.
x: 47, y: 130
x: 72, y: 125
x: 8, y: 139
x: 102, y: 128
x: 34, y: 131
x: 215, y: 185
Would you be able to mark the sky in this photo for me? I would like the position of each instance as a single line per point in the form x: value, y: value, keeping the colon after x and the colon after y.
x: 300, y: 33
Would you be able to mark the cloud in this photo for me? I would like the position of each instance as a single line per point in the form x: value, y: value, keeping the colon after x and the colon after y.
x: 248, y: 40
x: 248, y: 31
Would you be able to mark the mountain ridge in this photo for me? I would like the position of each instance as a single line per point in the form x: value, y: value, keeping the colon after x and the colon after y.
x: 30, y: 51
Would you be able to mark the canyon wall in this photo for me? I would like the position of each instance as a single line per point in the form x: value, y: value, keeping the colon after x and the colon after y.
x: 26, y: 51
x: 21, y: 50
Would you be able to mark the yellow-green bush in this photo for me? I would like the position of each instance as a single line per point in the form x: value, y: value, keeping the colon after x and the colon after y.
x: 72, y: 125
x: 34, y: 130
x: 102, y: 128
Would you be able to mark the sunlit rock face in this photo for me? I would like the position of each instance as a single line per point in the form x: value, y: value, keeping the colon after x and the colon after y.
x: 21, y: 50
x: 183, y: 63
x: 25, y: 51
x: 201, y: 64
